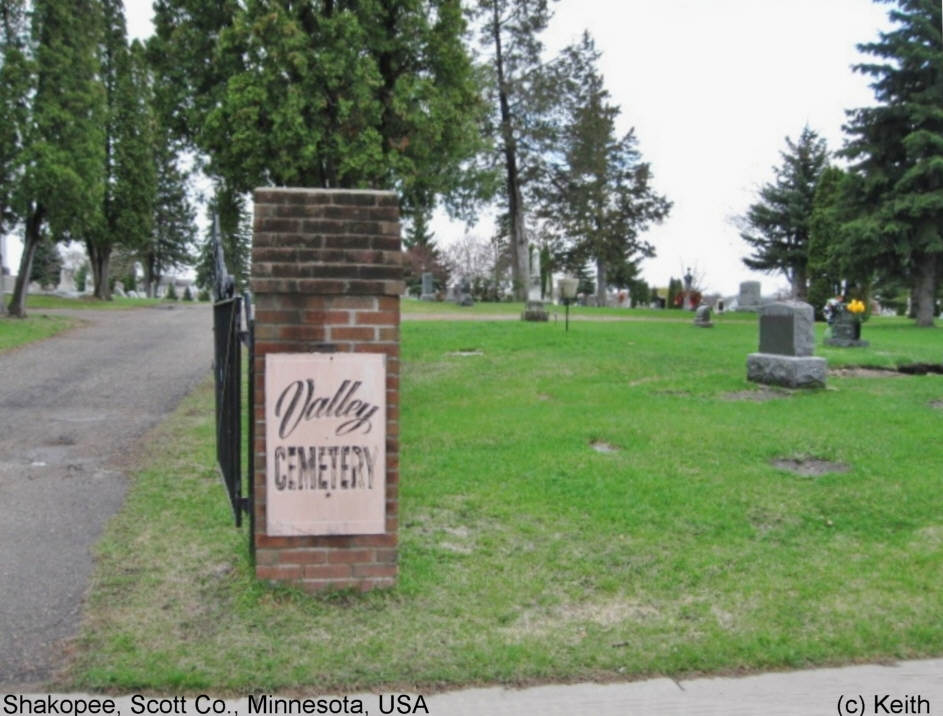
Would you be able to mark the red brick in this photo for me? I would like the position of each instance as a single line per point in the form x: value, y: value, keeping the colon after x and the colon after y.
x: 357, y: 302
x: 326, y: 571
x: 331, y: 317
x: 303, y: 556
x: 351, y: 333
x: 376, y: 318
x: 387, y: 556
x: 346, y: 556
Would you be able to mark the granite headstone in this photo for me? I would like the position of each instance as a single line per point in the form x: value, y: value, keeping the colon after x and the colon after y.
x: 749, y: 298
x: 428, y: 287
x: 787, y: 340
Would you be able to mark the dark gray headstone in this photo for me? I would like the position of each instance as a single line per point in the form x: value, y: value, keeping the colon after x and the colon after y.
x: 787, y: 339
x: 846, y: 332
x: 787, y: 329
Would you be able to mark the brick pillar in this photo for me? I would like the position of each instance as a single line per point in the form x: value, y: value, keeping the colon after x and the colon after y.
x: 326, y: 278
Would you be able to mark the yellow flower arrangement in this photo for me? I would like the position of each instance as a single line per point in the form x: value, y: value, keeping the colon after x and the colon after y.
x: 856, y: 307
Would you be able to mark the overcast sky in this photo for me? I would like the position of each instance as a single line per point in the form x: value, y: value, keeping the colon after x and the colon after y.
x: 713, y: 88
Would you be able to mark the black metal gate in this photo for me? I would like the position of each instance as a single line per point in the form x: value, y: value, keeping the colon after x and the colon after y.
x: 231, y: 330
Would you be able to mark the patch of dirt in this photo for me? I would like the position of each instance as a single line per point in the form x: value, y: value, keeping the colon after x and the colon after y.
x: 606, y: 614
x: 464, y: 352
x: 759, y: 395
x: 809, y: 466
x: 938, y: 404
x: 604, y: 447
x: 921, y: 368
x: 864, y: 372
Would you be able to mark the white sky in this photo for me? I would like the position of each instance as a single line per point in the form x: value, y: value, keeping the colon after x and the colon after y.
x: 712, y: 87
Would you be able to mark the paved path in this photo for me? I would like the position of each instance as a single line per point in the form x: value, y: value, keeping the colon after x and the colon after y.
x: 70, y: 406
x: 911, y: 687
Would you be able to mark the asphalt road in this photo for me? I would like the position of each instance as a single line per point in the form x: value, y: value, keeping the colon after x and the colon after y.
x: 70, y: 407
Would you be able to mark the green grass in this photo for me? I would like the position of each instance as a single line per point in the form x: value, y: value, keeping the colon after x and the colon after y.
x: 528, y: 556
x: 43, y: 301
x: 16, y: 332
x: 411, y: 307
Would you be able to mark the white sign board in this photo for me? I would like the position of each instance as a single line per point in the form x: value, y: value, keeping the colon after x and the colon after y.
x: 325, y: 440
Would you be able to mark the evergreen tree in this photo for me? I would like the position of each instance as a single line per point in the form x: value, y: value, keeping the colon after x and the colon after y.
x: 126, y: 215
x: 62, y: 151
x: 825, y: 266
x: 509, y: 32
x: 596, y: 191
x: 235, y: 235
x: 14, y: 88
x: 15, y: 80
x: 174, y: 224
x: 47, y: 265
x: 323, y: 94
x: 418, y: 234
x: 896, y: 149
x: 777, y: 226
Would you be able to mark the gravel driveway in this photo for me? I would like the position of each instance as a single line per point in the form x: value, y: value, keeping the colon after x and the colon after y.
x: 70, y: 407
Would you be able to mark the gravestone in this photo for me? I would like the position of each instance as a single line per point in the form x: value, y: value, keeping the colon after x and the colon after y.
x: 702, y: 316
x: 846, y: 332
x: 464, y: 297
x: 787, y: 340
x: 66, y: 281
x: 119, y: 289
x: 428, y: 287
x: 749, y: 298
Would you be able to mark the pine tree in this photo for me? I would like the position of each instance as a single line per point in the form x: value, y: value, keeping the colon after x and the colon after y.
x: 47, y: 265
x: 596, y: 191
x: 62, y: 151
x: 235, y: 234
x: 126, y: 216
x: 173, y: 236
x: 896, y: 149
x: 825, y: 265
x: 777, y: 226
x: 15, y: 79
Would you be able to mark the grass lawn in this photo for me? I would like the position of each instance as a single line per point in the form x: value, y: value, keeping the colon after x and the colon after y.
x: 412, y: 306
x: 526, y: 555
x: 19, y: 331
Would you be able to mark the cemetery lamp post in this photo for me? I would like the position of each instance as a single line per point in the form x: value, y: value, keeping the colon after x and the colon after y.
x: 567, y: 288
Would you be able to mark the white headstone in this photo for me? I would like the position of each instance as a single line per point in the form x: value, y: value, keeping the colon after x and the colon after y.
x: 66, y: 281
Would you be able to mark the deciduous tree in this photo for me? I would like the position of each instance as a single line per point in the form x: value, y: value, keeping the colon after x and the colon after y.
x: 509, y: 34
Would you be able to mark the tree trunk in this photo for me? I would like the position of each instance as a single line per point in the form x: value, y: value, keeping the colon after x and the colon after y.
x: 800, y: 288
x: 519, y: 257
x: 148, y: 279
x: 100, y: 258
x: 924, y: 292
x: 31, y: 239
x: 601, y: 292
